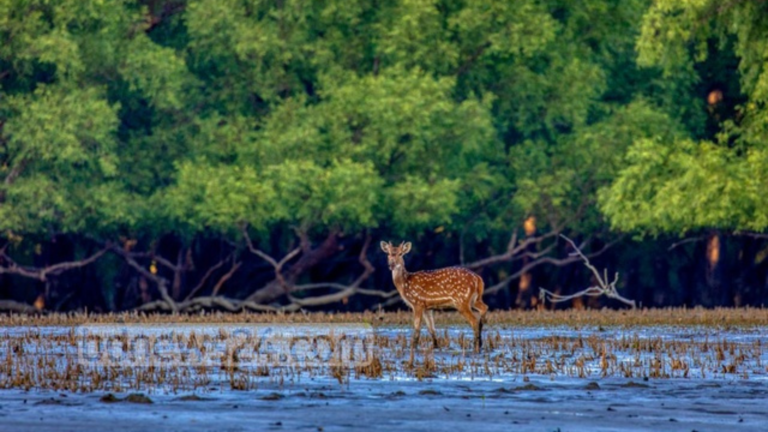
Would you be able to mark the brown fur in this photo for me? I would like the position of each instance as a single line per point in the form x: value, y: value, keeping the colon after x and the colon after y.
x: 424, y: 291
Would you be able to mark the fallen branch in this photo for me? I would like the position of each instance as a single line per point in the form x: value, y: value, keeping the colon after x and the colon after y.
x: 344, y: 291
x: 603, y: 287
x: 309, y: 258
x: 211, y: 302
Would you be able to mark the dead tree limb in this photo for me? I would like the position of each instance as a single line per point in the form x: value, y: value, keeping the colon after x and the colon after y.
x: 214, y: 301
x: 344, y: 290
x: 276, y: 265
x: 211, y: 302
x: 604, y: 287
x: 755, y: 235
x: 513, y: 251
x: 161, y: 282
x: 389, y: 302
x: 235, y: 265
x: 538, y: 258
x: 207, y: 275
x: 310, y: 257
x: 516, y: 251
x: 178, y: 268
x: 688, y: 240
x: 41, y: 274
x: 545, y: 260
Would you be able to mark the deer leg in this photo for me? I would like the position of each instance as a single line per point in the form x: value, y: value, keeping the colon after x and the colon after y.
x: 417, y: 314
x: 482, y: 309
x: 466, y: 311
x: 430, y: 318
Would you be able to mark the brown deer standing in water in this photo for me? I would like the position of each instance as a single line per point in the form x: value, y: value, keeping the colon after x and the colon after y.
x: 424, y: 291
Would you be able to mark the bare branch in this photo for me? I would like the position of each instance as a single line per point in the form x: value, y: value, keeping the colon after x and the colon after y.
x: 214, y: 302
x: 344, y: 290
x: 342, y: 287
x: 604, y: 286
x: 540, y: 259
x: 512, y: 250
x: 164, y: 262
x: 161, y: 282
x: 277, y: 265
x: 256, y: 251
x: 363, y: 260
x: 15, y: 269
x: 226, y: 277
x: 546, y: 260
x: 205, y: 277
x: 390, y: 301
x: 61, y: 267
x: 287, y: 258
x: 42, y: 274
x: 749, y: 234
x: 688, y: 240
x: 378, y: 293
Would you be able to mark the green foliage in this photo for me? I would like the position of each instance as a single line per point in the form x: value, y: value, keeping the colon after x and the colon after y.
x: 145, y: 118
x: 61, y: 126
x: 679, y: 183
x: 690, y: 185
x: 219, y: 197
x: 57, y: 139
x: 342, y: 194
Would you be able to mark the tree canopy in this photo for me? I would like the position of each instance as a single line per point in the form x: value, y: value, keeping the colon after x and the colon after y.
x: 701, y: 179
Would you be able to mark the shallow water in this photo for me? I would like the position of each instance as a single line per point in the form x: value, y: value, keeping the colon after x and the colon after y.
x: 540, y: 405
x: 583, y: 389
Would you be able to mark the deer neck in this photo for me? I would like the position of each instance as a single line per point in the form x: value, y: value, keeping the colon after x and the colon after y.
x: 400, y: 278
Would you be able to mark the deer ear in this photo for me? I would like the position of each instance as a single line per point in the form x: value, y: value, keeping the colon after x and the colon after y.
x: 384, y: 247
x: 406, y: 248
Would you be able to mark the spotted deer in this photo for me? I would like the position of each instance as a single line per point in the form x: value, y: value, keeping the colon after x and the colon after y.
x: 425, y: 291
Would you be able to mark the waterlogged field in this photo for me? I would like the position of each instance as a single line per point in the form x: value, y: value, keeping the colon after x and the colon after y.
x: 601, y: 370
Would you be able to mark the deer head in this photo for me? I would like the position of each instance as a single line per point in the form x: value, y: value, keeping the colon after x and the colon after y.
x: 395, y: 254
